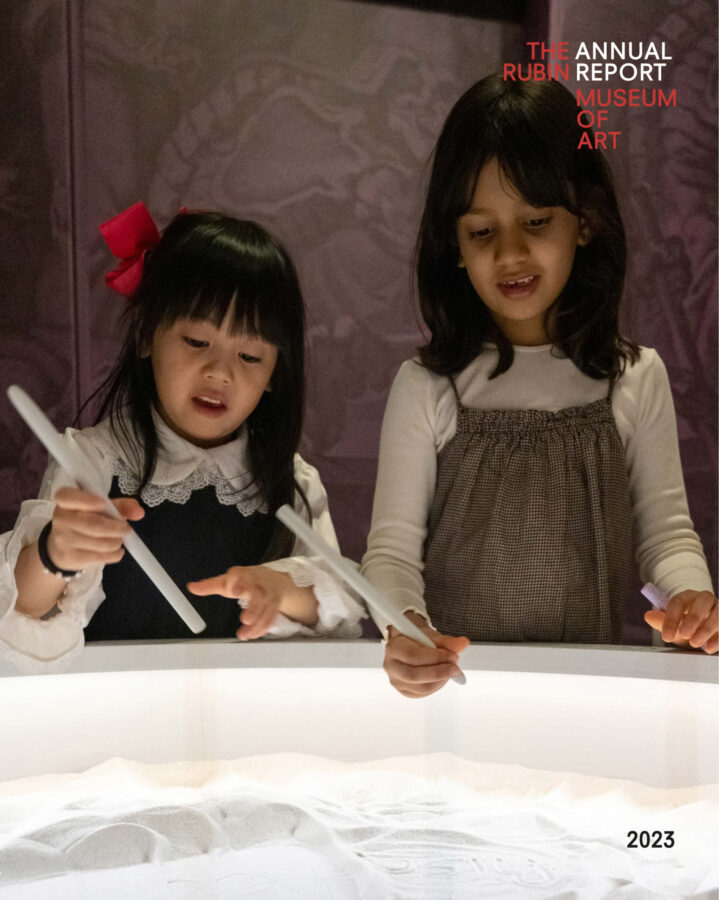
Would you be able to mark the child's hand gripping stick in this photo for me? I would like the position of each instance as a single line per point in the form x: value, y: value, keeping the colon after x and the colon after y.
x: 81, y: 470
x: 352, y: 577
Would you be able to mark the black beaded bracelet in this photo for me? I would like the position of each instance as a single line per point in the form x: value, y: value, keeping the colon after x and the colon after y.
x: 50, y: 566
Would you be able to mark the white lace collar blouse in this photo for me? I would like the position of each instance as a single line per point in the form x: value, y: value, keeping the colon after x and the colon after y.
x: 181, y: 468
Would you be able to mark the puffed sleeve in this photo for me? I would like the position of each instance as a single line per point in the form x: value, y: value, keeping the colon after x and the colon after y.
x: 50, y: 644
x: 339, y: 613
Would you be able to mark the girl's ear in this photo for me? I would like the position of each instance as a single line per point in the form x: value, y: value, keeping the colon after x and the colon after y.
x: 586, y: 232
x: 460, y: 264
x: 144, y: 348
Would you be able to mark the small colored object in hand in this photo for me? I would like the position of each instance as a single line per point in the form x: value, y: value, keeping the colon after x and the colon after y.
x: 657, y: 598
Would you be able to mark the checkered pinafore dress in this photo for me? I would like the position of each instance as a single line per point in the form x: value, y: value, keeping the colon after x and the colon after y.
x: 529, y: 536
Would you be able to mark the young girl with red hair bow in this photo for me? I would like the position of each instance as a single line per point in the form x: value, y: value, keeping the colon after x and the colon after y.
x: 196, y: 442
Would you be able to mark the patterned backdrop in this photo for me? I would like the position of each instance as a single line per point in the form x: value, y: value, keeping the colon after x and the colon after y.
x: 316, y: 118
x: 666, y: 172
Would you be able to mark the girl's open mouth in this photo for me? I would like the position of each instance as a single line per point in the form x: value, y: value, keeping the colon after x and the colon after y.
x: 518, y: 287
x: 209, y: 406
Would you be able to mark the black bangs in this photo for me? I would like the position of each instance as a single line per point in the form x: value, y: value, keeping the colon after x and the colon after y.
x: 207, y: 266
x: 533, y: 135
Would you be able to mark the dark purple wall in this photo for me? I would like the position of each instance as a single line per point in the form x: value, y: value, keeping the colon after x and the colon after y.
x: 38, y: 338
x: 316, y: 118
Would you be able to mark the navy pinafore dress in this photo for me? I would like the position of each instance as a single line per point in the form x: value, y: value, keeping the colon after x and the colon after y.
x: 193, y: 540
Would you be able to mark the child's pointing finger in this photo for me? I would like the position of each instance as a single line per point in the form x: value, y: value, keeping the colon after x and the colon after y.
x: 260, y: 592
x: 207, y: 586
x: 236, y: 587
x: 227, y: 585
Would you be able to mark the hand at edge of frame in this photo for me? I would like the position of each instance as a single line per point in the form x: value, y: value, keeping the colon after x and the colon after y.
x: 691, y: 619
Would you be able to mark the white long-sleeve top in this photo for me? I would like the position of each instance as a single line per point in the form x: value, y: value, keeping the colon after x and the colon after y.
x: 50, y: 645
x: 421, y: 417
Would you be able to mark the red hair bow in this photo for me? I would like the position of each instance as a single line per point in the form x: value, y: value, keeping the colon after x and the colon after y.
x: 129, y: 236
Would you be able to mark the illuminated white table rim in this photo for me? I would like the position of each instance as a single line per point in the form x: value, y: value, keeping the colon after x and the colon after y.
x: 638, y: 713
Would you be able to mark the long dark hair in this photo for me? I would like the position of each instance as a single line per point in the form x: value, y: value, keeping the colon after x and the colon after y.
x: 531, y: 129
x: 204, y: 265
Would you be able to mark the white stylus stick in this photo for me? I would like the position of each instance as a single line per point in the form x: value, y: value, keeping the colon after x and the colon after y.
x: 347, y: 573
x: 82, y: 471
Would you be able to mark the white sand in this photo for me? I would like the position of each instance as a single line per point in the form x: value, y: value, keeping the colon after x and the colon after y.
x: 289, y: 826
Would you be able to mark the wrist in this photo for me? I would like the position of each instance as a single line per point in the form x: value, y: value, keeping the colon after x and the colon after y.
x: 48, y: 553
x: 420, y: 620
x: 299, y: 603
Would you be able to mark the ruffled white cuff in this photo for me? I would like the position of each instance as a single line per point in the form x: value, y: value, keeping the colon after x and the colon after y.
x: 41, y: 646
x: 338, y: 612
